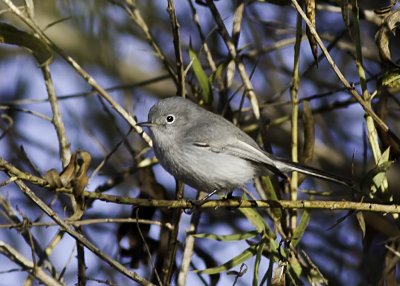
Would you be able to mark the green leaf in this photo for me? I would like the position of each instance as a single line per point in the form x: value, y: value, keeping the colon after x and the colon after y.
x: 201, y: 77
x: 301, y: 228
x: 248, y: 253
x: 229, y: 237
x: 385, y: 157
x: 257, y: 262
x: 361, y: 222
x: 375, y: 177
x: 271, y: 194
x: 218, y: 72
x: 391, y: 79
x: 295, y: 266
x: 256, y: 220
x: 268, y: 273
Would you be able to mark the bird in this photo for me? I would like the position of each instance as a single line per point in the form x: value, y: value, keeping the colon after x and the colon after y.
x: 209, y: 153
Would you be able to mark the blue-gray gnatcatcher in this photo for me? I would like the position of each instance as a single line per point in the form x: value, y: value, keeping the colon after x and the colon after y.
x: 209, y: 153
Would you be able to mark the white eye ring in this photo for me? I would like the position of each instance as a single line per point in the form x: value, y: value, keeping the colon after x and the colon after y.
x: 170, y: 118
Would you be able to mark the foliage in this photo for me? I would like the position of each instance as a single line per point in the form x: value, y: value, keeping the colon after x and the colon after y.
x: 83, y: 200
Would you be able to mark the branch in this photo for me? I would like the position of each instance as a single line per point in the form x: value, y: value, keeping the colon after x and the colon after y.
x: 178, y: 51
x: 27, y: 264
x: 91, y: 221
x: 341, y: 77
x: 136, y: 17
x: 79, y: 237
x: 187, y: 204
x: 188, y: 250
x: 249, y: 90
x: 282, y: 204
x: 65, y: 152
x: 85, y: 75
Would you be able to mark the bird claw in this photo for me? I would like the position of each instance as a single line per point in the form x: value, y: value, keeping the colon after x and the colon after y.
x: 195, y: 206
x: 230, y: 196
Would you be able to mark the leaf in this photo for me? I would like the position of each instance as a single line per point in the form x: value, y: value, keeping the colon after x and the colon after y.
x: 278, y: 276
x: 301, y: 228
x: 201, y: 77
x: 295, y: 266
x: 310, y: 12
x: 382, y: 37
x: 268, y: 273
x: 384, y: 162
x: 218, y: 72
x: 375, y: 177
x: 246, y: 254
x: 271, y: 194
x: 14, y: 36
x: 73, y: 176
x: 383, y: 11
x: 345, y: 7
x: 257, y: 262
x: 361, y: 222
x: 229, y: 237
x: 257, y: 221
x: 391, y: 79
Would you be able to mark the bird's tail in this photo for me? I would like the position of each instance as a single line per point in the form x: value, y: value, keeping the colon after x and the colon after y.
x: 289, y: 166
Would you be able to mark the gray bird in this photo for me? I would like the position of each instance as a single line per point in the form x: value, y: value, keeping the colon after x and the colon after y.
x: 209, y: 153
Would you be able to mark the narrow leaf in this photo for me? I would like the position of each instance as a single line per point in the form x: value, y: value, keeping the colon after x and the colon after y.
x: 301, y: 228
x: 257, y: 262
x: 201, y: 76
x: 375, y: 177
x: 271, y: 194
x: 229, y: 237
x: 248, y: 253
x: 361, y: 222
x: 257, y: 221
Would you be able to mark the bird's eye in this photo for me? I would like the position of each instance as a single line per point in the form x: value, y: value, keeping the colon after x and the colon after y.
x: 170, y: 118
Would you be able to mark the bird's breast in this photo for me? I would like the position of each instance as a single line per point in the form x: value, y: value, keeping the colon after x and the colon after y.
x: 204, y: 169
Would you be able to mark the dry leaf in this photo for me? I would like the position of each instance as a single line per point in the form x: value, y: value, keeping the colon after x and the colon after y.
x: 388, y: 28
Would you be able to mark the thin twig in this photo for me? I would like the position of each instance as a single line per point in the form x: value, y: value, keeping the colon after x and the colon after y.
x: 137, y: 18
x: 342, y: 78
x: 207, y: 51
x: 187, y: 204
x: 78, y: 236
x: 64, y: 146
x: 189, y: 247
x: 181, y: 89
x: 23, y: 227
x: 25, y: 263
x: 86, y: 76
x: 150, y: 258
x: 142, y: 83
x: 169, y: 262
x: 249, y: 90
x: 372, y: 132
x: 80, y: 255
x: 294, y: 97
x: 92, y: 221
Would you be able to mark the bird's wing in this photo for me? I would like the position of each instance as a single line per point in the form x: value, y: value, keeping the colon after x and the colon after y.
x: 248, y: 151
x: 229, y: 140
x: 238, y: 144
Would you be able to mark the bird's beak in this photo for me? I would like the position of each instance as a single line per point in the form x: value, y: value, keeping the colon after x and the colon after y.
x: 145, y: 124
